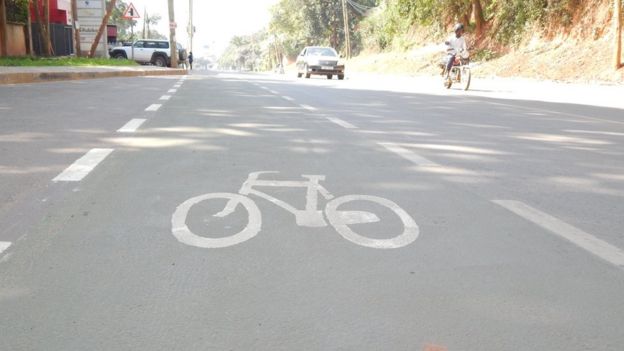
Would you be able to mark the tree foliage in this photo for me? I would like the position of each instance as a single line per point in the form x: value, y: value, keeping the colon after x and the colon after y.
x: 505, y: 21
x: 17, y: 11
x: 502, y: 23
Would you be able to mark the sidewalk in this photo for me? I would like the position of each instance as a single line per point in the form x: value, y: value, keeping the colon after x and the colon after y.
x: 21, y: 75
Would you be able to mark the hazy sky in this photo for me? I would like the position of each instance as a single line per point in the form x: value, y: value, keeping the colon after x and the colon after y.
x: 216, y: 21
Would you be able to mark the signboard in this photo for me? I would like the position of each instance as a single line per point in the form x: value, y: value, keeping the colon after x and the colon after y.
x: 131, y: 12
x: 90, y: 15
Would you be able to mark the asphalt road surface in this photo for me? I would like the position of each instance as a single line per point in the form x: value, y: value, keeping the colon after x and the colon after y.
x: 133, y: 217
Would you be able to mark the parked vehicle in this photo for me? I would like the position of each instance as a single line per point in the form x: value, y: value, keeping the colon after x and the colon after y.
x: 319, y: 60
x: 149, y: 51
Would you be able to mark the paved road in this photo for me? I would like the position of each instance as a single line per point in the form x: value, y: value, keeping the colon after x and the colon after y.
x: 446, y: 222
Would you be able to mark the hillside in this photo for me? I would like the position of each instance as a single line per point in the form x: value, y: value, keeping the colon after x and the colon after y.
x: 565, y: 40
x: 580, y: 52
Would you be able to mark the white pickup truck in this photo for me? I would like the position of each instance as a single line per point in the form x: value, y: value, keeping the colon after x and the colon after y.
x: 149, y: 51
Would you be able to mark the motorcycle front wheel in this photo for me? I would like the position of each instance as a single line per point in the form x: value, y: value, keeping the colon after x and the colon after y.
x: 465, y: 78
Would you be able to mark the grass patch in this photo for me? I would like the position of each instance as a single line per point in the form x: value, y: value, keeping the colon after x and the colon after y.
x: 62, y: 61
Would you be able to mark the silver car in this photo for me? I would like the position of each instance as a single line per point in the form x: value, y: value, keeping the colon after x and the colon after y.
x: 319, y: 60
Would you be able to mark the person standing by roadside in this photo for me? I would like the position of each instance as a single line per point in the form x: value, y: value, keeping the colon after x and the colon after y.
x: 190, y: 60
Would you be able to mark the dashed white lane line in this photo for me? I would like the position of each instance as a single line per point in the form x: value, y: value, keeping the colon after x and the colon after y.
x: 132, y: 125
x: 341, y: 123
x: 177, y: 86
x: 4, y: 245
x: 585, y: 241
x: 273, y: 92
x: 308, y: 107
x: 408, y: 155
x: 288, y: 98
x: 165, y: 97
x: 153, y: 107
x: 83, y: 166
x: 172, y: 91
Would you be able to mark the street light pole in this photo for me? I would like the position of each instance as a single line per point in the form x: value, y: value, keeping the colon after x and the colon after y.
x: 191, y: 28
x: 172, y: 36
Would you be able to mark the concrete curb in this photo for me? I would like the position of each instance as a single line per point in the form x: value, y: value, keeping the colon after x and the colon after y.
x: 41, y: 77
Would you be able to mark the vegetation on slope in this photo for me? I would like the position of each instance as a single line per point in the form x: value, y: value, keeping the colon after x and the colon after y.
x: 495, y: 28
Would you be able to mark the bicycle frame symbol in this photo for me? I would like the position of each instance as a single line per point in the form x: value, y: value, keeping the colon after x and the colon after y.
x: 311, y: 216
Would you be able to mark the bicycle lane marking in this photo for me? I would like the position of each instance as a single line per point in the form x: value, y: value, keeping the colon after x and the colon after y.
x: 578, y: 237
x: 312, y: 216
x: 4, y: 245
x: 132, y: 125
x: 408, y: 155
x: 341, y: 122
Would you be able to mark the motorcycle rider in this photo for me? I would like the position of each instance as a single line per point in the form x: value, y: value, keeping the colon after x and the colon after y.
x: 455, y: 44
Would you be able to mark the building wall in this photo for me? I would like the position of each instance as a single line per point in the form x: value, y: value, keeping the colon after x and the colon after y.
x: 59, y: 11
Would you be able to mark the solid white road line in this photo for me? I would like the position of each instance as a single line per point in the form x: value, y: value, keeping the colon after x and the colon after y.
x: 585, y: 241
x: 165, y: 97
x: 308, y: 107
x: 132, y: 125
x: 172, y: 91
x: 4, y: 245
x: 153, y: 107
x: 408, y: 155
x: 83, y: 166
x: 287, y: 98
x: 341, y: 123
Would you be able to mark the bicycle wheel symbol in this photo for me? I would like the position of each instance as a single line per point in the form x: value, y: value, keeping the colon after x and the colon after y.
x: 340, y: 220
x: 184, y: 235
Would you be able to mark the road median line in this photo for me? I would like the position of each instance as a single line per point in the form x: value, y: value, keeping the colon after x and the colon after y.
x: 83, y: 166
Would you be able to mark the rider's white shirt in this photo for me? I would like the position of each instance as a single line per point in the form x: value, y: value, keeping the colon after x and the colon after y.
x: 457, y: 45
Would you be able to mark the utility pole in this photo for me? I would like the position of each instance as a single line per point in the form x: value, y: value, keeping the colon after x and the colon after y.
x: 3, y: 29
x: 31, y: 52
x: 145, y: 19
x: 617, y: 25
x: 76, y: 24
x: 191, y: 27
x: 345, y: 16
x: 172, y: 36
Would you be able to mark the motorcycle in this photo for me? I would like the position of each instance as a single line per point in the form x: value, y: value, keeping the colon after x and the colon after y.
x: 460, y: 72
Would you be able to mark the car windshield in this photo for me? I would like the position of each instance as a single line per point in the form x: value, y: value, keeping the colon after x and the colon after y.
x: 321, y: 52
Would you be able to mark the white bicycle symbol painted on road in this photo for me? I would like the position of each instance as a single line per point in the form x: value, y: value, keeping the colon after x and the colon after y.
x: 310, y: 217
